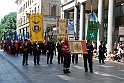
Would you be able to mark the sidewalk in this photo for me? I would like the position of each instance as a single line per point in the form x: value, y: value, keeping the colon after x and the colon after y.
x: 12, y: 71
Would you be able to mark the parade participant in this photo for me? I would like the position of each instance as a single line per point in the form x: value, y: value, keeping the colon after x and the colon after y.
x: 29, y: 44
x: 102, y: 50
x: 44, y: 48
x: 75, y: 58
x: 67, y: 56
x: 16, y: 47
x: 31, y: 48
x: 88, y: 57
x: 13, y: 48
x: 25, y: 52
x: 50, y: 50
x: 5, y: 45
x: 60, y: 55
x: 36, y: 53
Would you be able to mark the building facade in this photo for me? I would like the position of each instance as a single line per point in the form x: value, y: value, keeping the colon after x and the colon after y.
x: 50, y: 9
x: 110, y: 17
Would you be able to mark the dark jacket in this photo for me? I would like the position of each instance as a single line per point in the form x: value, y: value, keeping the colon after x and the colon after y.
x: 90, y: 48
x: 36, y: 49
x: 25, y: 48
x: 102, y: 49
x: 50, y: 46
x: 59, y: 47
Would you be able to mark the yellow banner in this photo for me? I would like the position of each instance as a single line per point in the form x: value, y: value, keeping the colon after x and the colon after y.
x: 36, y: 28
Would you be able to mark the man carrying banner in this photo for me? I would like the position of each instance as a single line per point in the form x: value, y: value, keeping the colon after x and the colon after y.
x: 88, y: 57
x: 36, y: 53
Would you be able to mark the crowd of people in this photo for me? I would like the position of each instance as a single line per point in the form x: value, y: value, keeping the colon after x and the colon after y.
x: 118, y: 54
x: 49, y: 47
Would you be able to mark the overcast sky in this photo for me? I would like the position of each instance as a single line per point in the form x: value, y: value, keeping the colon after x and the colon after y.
x: 7, y: 6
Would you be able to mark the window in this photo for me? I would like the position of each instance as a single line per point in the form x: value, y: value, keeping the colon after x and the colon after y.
x: 26, y: 4
x: 35, y: 10
x: 53, y: 10
x: 122, y: 10
x: 106, y: 14
x: 38, y: 10
x: 30, y: 2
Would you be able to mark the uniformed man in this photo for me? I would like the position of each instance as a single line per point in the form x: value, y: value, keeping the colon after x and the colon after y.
x: 67, y: 56
x: 36, y: 53
x: 50, y: 50
x: 59, y: 49
x: 13, y: 49
x: 102, y: 50
x: 88, y: 57
x: 25, y: 52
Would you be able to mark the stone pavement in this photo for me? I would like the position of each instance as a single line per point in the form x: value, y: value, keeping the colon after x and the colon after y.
x: 12, y: 71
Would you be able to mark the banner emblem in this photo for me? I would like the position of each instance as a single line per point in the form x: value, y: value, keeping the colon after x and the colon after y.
x: 36, y: 27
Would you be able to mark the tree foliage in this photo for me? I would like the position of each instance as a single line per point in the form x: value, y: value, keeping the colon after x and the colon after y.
x: 8, y: 24
x: 9, y: 21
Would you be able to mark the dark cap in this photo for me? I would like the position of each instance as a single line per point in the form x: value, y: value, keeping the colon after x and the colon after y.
x: 101, y: 41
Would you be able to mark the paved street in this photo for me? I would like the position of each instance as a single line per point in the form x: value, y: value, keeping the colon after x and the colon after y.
x: 12, y: 71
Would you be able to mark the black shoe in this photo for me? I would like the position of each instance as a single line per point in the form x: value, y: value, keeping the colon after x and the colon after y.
x: 86, y: 70
x: 76, y: 61
x: 58, y: 62
x: 23, y: 64
x: 68, y: 71
x: 103, y: 63
x: 27, y: 64
x: 91, y: 71
x: 34, y: 63
x: 65, y: 71
x: 51, y: 63
x: 47, y: 62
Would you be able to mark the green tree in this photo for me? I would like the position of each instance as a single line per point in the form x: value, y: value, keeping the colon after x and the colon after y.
x: 8, y: 24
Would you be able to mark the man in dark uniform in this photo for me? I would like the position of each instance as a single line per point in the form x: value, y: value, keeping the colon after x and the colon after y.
x: 88, y: 57
x: 25, y: 52
x: 59, y: 49
x: 50, y: 50
x: 36, y: 53
x: 13, y: 49
x: 102, y: 50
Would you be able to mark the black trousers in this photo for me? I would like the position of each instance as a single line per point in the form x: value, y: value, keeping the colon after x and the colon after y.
x: 67, y: 60
x: 60, y: 57
x: 12, y: 51
x: 36, y: 58
x: 25, y: 58
x: 50, y: 56
x: 101, y: 57
x: 88, y: 59
x: 75, y: 58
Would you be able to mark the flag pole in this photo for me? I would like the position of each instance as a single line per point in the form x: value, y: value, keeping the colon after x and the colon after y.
x: 91, y: 7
